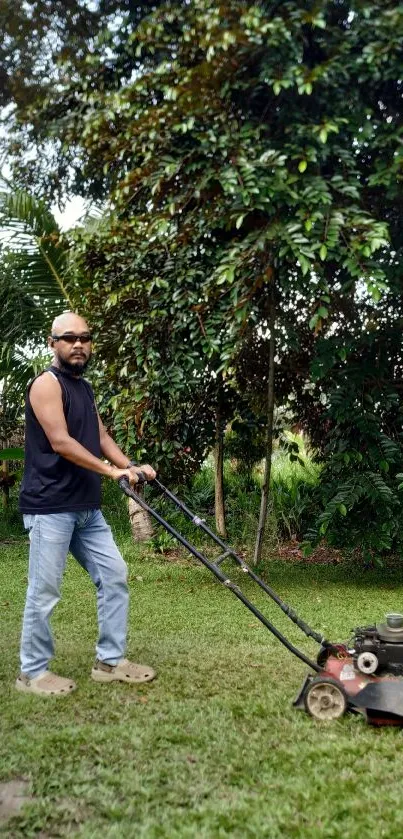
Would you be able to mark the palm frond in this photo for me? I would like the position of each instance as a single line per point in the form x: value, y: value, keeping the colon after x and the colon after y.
x: 16, y: 371
x: 34, y: 263
x: 34, y: 238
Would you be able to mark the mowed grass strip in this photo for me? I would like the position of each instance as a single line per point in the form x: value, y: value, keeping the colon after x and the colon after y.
x: 213, y: 748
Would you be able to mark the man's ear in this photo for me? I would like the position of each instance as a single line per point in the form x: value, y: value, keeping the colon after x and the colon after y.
x: 51, y: 342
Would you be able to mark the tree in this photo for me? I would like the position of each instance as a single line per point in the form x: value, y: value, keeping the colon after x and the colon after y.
x: 38, y: 40
x: 362, y: 430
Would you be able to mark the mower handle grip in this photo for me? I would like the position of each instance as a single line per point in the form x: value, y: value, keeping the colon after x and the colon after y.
x: 125, y: 484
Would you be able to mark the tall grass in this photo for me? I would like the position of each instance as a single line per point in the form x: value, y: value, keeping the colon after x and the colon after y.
x: 292, y: 485
x: 290, y: 505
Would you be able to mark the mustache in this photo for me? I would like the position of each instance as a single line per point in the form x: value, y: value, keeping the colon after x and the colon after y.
x: 78, y: 368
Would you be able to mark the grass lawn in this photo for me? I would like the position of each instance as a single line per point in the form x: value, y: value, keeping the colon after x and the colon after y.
x: 212, y: 748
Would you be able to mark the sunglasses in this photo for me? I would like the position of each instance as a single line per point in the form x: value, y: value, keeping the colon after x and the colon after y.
x: 69, y: 338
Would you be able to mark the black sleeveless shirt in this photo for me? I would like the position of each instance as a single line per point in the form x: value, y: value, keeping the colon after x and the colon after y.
x: 52, y: 484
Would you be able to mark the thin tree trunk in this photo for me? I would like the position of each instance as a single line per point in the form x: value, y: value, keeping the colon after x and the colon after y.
x: 140, y: 521
x: 269, y: 433
x: 219, y: 475
x: 5, y: 469
x: 5, y: 487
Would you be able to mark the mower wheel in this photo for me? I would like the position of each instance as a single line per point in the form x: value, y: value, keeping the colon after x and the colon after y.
x: 325, y: 699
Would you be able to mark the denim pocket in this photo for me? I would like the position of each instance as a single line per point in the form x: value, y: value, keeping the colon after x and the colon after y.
x: 29, y: 521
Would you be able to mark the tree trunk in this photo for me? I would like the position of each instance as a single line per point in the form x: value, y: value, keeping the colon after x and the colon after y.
x: 4, y: 466
x: 5, y: 485
x: 269, y: 432
x: 219, y: 475
x: 140, y: 521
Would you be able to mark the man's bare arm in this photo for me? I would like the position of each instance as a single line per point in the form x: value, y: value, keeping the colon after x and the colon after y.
x: 46, y: 401
x: 114, y: 454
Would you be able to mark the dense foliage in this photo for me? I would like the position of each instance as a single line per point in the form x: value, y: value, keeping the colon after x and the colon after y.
x: 240, y: 147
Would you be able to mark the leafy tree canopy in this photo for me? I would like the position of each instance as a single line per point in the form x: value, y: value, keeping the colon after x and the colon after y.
x: 237, y: 146
x: 238, y: 151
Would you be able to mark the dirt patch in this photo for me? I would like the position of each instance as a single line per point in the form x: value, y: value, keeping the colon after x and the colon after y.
x: 322, y: 555
x: 13, y: 796
x: 14, y: 541
x: 287, y: 551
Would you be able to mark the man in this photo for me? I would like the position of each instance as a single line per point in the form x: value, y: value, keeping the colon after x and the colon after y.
x: 60, y: 499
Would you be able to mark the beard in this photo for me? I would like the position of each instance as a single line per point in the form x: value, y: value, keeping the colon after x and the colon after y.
x: 77, y: 369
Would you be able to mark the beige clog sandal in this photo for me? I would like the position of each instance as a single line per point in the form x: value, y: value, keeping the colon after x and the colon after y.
x: 47, y: 684
x: 125, y: 671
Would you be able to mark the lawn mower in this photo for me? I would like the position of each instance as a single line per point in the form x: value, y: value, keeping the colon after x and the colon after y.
x: 363, y: 676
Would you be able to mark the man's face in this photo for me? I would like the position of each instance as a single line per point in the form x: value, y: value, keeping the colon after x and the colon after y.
x: 71, y: 346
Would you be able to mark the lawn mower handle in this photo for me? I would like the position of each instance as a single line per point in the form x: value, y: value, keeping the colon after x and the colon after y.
x: 216, y: 570
x: 124, y: 482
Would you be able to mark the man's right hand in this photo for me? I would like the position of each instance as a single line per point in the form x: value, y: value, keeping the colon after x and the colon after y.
x: 130, y: 474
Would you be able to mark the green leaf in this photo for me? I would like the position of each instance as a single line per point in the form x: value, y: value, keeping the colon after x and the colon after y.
x: 342, y: 509
x: 302, y: 165
x: 323, y: 252
x: 306, y: 548
x: 304, y: 263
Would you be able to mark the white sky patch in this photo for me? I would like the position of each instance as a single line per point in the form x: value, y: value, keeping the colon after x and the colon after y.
x: 73, y: 211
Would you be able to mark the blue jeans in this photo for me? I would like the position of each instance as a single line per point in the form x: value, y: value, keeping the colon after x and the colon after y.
x: 89, y: 538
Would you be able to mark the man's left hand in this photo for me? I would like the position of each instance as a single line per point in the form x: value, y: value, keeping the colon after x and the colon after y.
x: 148, y: 471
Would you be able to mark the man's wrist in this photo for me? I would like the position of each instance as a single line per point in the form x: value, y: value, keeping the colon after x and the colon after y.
x: 130, y: 464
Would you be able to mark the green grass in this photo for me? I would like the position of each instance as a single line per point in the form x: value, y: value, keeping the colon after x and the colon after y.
x: 213, y: 748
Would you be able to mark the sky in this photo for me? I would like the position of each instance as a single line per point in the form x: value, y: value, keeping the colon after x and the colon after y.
x: 74, y: 209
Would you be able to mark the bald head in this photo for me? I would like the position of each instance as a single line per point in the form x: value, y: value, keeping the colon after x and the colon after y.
x: 70, y: 341
x: 69, y: 322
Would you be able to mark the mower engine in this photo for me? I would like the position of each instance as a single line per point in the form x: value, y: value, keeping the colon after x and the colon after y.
x: 379, y: 649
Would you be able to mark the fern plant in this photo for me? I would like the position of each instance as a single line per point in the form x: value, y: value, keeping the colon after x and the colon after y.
x: 360, y: 494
